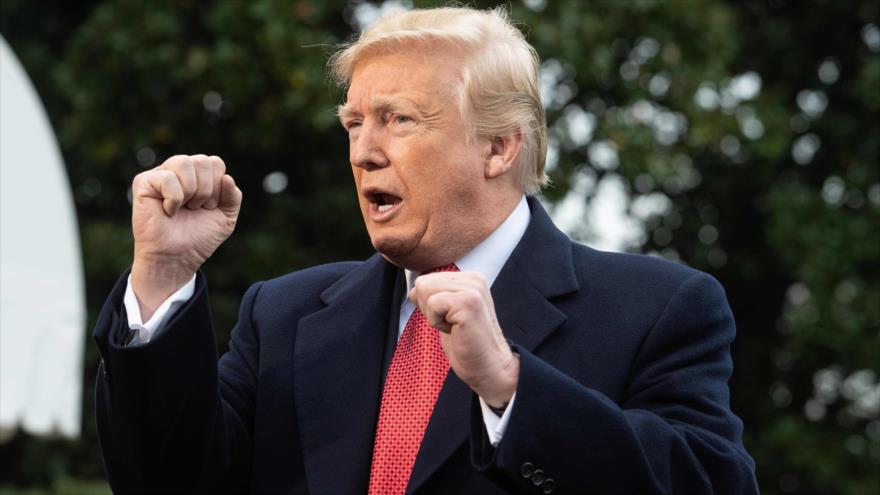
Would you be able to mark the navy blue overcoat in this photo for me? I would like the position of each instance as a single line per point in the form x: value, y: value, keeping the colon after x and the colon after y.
x: 623, y: 386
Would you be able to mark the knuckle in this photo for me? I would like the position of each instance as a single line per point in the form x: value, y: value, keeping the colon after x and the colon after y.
x: 166, y: 176
x: 201, y: 161
x: 471, y: 298
x: 181, y: 168
x: 139, y: 180
x: 185, y: 162
x: 431, y: 300
x: 218, y: 164
x: 175, y: 162
x: 205, y: 172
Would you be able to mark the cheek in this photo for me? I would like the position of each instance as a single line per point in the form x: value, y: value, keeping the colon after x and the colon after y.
x: 455, y: 176
x: 438, y: 174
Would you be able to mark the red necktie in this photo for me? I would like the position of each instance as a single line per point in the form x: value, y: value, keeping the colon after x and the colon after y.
x: 418, y: 369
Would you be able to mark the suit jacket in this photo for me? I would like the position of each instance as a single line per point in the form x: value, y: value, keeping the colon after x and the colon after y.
x: 624, y: 363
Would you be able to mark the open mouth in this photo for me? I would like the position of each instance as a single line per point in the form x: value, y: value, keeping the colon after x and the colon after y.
x: 382, y: 204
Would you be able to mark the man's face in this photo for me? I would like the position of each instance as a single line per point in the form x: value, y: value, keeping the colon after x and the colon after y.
x: 420, y: 182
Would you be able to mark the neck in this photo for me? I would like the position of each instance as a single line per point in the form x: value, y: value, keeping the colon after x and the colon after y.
x: 493, y: 212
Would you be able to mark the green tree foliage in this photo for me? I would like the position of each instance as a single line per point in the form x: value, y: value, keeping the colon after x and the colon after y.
x: 744, y: 136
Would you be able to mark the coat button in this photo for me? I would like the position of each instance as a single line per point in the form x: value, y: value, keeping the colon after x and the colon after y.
x: 526, y: 470
x: 547, y: 486
x: 537, y: 477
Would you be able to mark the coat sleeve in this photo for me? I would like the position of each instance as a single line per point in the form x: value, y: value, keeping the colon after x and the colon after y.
x: 167, y: 421
x: 672, y: 432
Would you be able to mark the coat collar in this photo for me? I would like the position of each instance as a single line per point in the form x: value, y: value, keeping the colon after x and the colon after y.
x: 338, y: 358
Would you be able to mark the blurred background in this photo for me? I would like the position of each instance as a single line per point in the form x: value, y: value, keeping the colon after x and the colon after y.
x: 738, y: 137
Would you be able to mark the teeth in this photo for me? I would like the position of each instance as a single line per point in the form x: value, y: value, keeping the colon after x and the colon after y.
x: 384, y: 208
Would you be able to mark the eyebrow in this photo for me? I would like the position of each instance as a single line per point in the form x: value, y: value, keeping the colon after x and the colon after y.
x: 344, y: 112
x: 379, y: 104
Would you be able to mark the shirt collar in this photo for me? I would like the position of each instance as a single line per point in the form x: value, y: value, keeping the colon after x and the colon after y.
x: 490, y: 255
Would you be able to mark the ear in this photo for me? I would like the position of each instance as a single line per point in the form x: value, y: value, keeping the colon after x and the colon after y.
x: 501, y: 154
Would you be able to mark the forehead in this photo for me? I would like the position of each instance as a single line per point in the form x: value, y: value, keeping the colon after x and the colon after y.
x: 420, y: 76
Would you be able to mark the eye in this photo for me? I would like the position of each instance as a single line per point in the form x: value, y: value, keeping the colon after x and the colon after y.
x: 400, y: 119
x: 352, y: 125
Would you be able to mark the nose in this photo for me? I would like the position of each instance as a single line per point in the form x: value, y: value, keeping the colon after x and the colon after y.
x: 366, y: 150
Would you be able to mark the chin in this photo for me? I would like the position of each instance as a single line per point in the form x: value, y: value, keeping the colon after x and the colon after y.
x: 392, y: 246
x: 403, y: 252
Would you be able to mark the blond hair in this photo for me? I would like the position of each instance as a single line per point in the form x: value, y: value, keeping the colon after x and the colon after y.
x: 499, y: 93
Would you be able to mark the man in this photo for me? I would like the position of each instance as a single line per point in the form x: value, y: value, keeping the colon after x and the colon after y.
x: 480, y: 351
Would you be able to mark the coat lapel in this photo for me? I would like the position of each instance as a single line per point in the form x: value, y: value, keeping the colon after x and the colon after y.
x: 539, y: 269
x: 337, y: 377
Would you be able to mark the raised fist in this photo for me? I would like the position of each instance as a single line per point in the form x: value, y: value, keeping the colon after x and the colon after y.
x: 182, y: 211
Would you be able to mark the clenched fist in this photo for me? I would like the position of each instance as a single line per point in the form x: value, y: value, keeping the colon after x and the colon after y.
x: 182, y: 211
x: 460, y: 305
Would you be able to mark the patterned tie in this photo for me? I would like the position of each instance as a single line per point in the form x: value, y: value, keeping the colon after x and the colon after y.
x: 418, y: 369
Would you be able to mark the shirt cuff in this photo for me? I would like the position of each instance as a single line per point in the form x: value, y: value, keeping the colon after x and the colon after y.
x: 145, y: 331
x: 495, y: 425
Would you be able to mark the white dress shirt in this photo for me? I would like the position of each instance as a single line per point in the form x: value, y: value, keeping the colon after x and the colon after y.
x: 487, y: 258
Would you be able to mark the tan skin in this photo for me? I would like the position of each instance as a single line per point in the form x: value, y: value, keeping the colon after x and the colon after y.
x: 428, y: 195
x: 182, y: 211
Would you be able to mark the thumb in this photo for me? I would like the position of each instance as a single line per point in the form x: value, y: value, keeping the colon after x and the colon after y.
x: 230, y: 196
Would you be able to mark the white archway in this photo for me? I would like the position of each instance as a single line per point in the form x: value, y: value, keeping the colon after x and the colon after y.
x: 42, y: 298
